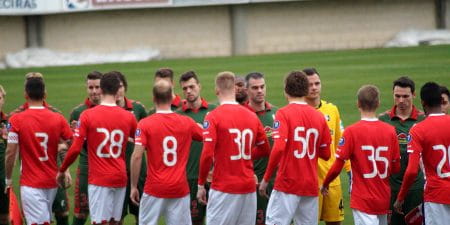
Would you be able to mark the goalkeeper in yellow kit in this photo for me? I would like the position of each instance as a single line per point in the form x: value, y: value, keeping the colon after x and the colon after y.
x: 331, y: 207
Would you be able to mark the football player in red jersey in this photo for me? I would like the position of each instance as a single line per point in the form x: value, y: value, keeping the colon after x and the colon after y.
x: 232, y: 137
x: 35, y: 133
x: 107, y: 139
x: 372, y: 148
x: 166, y: 191
x: 301, y: 136
x: 430, y: 145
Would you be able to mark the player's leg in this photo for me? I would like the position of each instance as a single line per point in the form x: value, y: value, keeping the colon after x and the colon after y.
x: 177, y: 211
x: 362, y: 218
x: 307, y: 211
x: 60, y: 207
x: 281, y: 208
x: 247, y: 209
x: 382, y: 219
x: 261, y: 206
x: 150, y: 210
x: 436, y: 214
x: 333, y: 206
x: 221, y: 208
x: 132, y: 208
x: 37, y: 204
x: 4, y: 205
x: 81, y: 203
x: 198, y: 210
x: 101, y: 204
x: 118, y: 195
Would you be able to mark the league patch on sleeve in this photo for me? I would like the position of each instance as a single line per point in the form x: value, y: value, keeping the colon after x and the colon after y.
x: 205, y: 124
x: 276, y: 124
x: 408, y: 138
x: 8, y: 127
x: 341, y: 141
x: 78, y: 124
x: 138, y: 133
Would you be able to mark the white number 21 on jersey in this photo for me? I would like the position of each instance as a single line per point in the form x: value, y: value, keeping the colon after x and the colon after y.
x: 111, y: 138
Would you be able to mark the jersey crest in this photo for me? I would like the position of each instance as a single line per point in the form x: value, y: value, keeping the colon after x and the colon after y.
x: 341, y: 141
x: 403, y: 138
x: 276, y: 124
x: 205, y: 124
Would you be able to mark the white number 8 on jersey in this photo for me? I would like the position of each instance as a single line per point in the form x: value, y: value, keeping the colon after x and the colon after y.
x: 172, y: 150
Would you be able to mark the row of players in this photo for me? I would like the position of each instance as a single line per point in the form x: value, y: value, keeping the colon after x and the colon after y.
x: 259, y: 92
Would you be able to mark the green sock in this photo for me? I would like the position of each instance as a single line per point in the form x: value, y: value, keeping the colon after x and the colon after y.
x: 78, y: 221
x: 62, y: 220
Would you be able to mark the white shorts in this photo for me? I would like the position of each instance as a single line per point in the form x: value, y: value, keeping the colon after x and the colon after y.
x: 283, y: 208
x: 436, y: 214
x: 37, y: 204
x: 362, y: 218
x: 105, y: 203
x: 224, y: 208
x: 176, y: 211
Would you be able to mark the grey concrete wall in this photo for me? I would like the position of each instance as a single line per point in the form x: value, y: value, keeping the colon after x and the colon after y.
x: 12, y: 35
x: 224, y: 30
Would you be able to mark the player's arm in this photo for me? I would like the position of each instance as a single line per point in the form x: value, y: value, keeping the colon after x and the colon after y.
x: 197, y: 131
x: 395, y: 168
x: 135, y: 169
x: 324, y: 147
x: 334, y: 171
x: 412, y: 169
x: 262, y: 147
x: 206, y: 158
x: 10, y: 159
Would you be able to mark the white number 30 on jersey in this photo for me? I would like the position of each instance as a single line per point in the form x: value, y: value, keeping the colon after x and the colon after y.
x: 115, y: 139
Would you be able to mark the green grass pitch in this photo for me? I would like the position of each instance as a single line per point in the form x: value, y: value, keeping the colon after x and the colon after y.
x: 342, y: 73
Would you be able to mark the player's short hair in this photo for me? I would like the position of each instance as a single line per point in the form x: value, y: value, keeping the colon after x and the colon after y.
x: 444, y: 90
x: 94, y: 75
x: 2, y: 91
x: 404, y: 82
x: 164, y: 73
x: 310, y: 71
x: 253, y: 75
x: 33, y: 74
x: 110, y: 83
x: 296, y: 84
x: 430, y: 93
x: 368, y: 98
x: 35, y: 88
x: 162, y: 92
x: 122, y: 79
x: 189, y: 75
x: 225, y: 81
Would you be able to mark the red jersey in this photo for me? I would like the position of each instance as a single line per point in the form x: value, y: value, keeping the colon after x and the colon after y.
x: 372, y: 148
x: 230, y: 133
x: 301, y: 135
x: 106, y: 129
x: 430, y: 141
x: 38, y: 131
x: 167, y: 137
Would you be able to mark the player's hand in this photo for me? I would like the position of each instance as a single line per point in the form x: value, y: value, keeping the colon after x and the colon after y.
x: 67, y: 180
x: 256, y: 179
x: 398, y: 206
x: 201, y: 194
x: 134, y: 195
x: 324, y: 190
x: 8, y: 185
x: 60, y: 179
x: 263, y: 188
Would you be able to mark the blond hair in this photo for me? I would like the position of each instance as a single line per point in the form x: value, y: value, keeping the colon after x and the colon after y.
x: 225, y: 81
x: 369, y: 98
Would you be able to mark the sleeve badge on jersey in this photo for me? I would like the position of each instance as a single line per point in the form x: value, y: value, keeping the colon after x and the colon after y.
x: 138, y: 133
x: 408, y: 138
x: 8, y: 127
x: 341, y: 141
x: 78, y: 124
x: 276, y: 124
x: 205, y: 124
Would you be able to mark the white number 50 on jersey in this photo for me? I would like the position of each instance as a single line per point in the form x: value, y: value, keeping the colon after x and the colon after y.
x: 113, y: 143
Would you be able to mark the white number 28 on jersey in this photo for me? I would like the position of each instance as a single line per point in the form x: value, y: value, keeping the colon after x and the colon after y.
x: 445, y: 158
x: 115, y: 139
x: 375, y: 157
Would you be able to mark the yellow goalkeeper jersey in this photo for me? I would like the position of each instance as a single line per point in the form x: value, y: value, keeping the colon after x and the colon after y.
x: 334, y: 122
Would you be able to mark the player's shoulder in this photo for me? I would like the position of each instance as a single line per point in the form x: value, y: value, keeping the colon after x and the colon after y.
x: 328, y: 105
x: 385, y: 116
x: 137, y: 105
